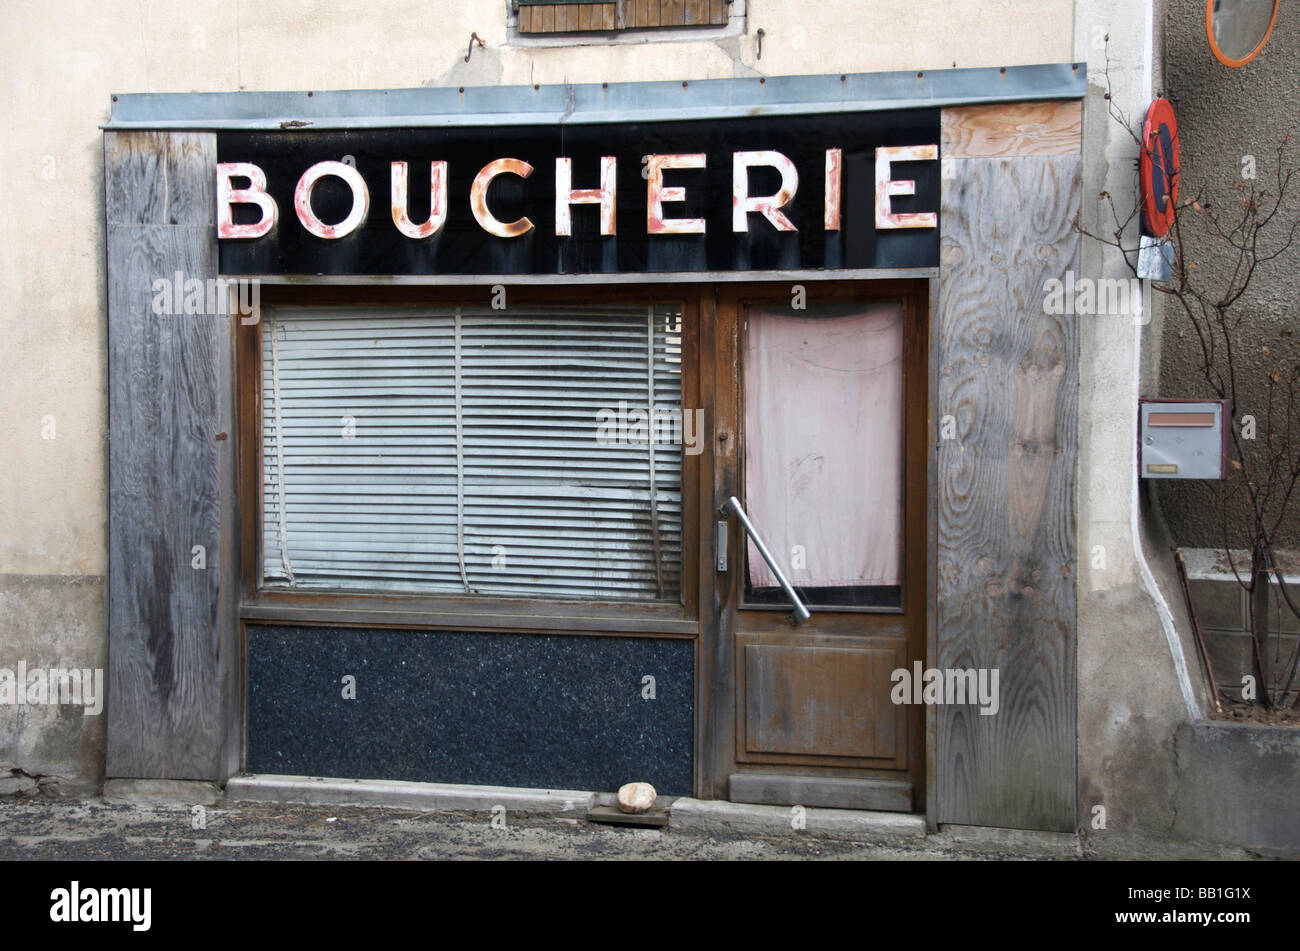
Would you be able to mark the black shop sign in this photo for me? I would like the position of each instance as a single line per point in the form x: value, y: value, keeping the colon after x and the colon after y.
x: 835, y: 192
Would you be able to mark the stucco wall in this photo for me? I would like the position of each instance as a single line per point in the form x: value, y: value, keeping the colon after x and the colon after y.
x: 1225, y: 115
x: 64, y: 58
x: 1137, y: 670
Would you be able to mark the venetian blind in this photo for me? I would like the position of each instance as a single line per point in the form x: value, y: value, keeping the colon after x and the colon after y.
x: 458, y: 450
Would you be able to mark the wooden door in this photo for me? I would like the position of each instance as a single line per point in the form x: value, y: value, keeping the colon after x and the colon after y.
x: 825, y: 410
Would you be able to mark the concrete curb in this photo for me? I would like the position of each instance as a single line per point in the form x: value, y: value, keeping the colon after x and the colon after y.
x: 711, y: 817
x: 690, y: 816
x: 687, y: 816
x: 395, y: 794
x: 1019, y: 842
x: 161, y: 792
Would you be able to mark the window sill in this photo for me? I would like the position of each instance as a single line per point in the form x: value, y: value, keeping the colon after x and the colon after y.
x: 569, y: 617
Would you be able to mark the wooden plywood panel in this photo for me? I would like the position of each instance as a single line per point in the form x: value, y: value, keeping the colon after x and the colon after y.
x: 1006, y: 553
x: 814, y: 700
x: 172, y: 627
x: 1018, y: 128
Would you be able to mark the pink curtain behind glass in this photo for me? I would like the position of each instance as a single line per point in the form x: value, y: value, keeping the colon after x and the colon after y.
x: 823, y: 445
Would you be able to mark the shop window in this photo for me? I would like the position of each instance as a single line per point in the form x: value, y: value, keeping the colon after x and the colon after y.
x: 546, y: 16
x: 823, y: 391
x: 466, y: 450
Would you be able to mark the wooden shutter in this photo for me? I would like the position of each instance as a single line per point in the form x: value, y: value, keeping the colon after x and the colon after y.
x: 567, y: 17
x: 625, y: 14
x: 646, y: 13
x: 475, y: 465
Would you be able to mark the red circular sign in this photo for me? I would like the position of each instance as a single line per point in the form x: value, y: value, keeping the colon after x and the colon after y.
x: 1159, y: 168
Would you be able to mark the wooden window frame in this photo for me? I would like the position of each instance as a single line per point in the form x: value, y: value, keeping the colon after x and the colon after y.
x: 259, y: 604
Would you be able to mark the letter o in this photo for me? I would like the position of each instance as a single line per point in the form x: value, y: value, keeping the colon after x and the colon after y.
x: 360, y: 200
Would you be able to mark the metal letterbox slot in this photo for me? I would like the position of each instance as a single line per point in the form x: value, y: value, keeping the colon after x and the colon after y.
x: 1181, y: 419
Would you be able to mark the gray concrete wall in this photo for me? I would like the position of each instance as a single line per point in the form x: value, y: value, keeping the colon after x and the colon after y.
x: 52, y: 621
x: 1225, y: 115
x: 1237, y: 785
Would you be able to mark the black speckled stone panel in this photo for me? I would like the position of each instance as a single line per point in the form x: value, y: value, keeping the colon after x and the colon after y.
x: 554, y: 711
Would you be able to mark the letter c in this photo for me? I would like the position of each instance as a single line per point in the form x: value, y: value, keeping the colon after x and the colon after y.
x: 478, y: 198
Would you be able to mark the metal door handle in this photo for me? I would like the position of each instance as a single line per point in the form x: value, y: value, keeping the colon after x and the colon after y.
x: 733, y: 505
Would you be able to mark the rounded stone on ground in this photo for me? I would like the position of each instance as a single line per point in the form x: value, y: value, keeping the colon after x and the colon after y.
x: 636, y: 797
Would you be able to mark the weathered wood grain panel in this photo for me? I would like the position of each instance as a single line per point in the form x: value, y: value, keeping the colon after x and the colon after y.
x: 1018, y: 128
x: 173, y: 662
x: 1006, y: 558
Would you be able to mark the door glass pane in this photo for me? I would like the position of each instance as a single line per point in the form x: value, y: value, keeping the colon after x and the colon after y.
x: 823, y: 397
x: 445, y: 450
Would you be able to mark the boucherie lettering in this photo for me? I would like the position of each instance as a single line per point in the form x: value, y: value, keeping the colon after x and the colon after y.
x: 752, y: 195
x: 743, y: 203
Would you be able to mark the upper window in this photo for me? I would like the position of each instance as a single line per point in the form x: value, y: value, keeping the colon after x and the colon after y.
x: 465, y: 450
x: 582, y: 16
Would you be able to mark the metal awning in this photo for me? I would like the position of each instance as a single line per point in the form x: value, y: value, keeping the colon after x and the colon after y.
x: 596, y: 102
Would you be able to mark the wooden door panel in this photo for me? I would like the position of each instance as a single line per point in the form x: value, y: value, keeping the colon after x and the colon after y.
x: 819, y: 702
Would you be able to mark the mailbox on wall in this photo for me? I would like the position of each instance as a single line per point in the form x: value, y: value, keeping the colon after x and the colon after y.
x: 1182, y: 439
